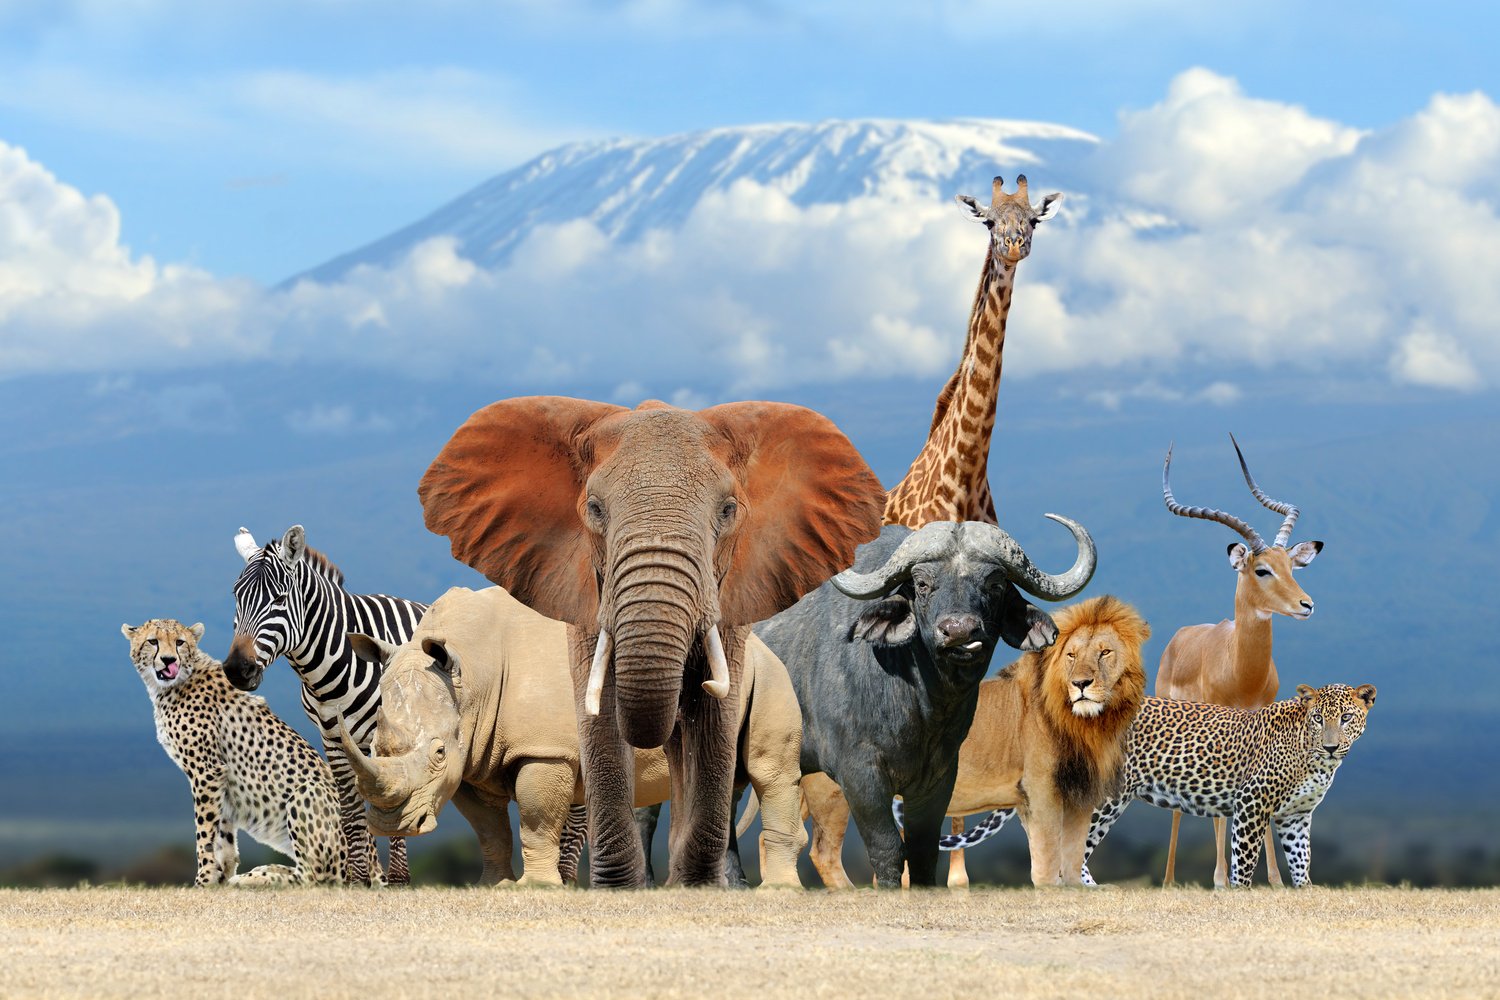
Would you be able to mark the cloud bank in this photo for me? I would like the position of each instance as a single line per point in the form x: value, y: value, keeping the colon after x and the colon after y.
x: 1220, y: 242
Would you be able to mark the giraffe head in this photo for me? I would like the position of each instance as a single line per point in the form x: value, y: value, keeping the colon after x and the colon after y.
x: 1010, y: 218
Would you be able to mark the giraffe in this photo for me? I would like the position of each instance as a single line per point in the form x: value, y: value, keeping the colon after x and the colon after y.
x: 949, y: 479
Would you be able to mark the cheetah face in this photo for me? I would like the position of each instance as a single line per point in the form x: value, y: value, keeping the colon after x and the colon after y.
x: 164, y: 651
x: 1336, y: 717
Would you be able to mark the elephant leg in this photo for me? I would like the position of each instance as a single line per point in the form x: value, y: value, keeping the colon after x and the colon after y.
x: 544, y: 790
x: 646, y: 820
x: 700, y: 758
x: 491, y: 825
x: 615, y: 856
x: 824, y: 802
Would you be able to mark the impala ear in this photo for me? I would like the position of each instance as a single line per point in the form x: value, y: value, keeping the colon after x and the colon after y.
x: 506, y: 490
x: 808, y: 500
x: 1238, y: 556
x: 1304, y: 552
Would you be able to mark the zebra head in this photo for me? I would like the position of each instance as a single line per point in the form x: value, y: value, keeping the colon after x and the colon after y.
x: 269, y: 610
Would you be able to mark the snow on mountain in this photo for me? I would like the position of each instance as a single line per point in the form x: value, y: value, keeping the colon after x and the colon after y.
x: 629, y: 186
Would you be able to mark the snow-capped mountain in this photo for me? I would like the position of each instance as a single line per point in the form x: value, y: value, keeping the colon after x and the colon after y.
x: 629, y: 186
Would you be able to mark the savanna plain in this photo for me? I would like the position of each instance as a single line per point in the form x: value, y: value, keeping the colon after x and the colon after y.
x: 1112, y: 942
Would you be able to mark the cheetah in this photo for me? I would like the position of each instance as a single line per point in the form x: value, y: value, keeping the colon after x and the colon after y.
x: 1272, y: 765
x: 248, y: 770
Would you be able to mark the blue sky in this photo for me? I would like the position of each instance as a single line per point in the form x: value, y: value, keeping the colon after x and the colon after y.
x: 261, y: 138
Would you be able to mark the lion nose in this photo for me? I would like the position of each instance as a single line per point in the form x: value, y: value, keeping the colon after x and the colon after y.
x: 1082, y: 684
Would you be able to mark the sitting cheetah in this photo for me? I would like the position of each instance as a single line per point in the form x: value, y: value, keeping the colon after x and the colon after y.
x: 248, y: 770
x: 1269, y: 765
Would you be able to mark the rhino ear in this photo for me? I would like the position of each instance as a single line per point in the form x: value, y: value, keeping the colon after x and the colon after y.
x: 367, y: 647
x: 443, y: 658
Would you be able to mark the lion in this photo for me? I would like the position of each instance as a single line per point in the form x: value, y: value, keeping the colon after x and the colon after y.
x: 1048, y: 737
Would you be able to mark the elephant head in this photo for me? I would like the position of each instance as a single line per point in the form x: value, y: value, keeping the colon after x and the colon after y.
x: 419, y: 756
x: 655, y: 533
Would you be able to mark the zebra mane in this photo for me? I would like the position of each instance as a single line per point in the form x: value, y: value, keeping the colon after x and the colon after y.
x: 316, y: 561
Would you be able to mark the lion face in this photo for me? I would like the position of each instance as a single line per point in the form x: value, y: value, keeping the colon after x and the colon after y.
x: 1091, y: 661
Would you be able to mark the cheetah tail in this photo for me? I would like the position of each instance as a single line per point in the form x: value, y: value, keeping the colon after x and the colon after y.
x: 986, y: 829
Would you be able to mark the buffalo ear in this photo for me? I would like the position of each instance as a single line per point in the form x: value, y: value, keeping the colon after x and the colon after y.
x: 890, y: 622
x: 505, y: 489
x: 809, y: 500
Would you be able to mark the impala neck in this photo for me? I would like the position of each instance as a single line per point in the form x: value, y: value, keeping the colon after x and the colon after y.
x: 1252, y: 670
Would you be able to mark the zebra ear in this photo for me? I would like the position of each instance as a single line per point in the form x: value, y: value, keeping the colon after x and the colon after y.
x: 368, y: 647
x: 293, y: 544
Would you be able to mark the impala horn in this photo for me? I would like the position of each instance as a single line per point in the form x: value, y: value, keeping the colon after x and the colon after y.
x: 1290, y: 510
x: 1257, y: 543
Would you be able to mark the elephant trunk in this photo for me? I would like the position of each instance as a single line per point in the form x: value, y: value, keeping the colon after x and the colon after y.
x: 655, y: 611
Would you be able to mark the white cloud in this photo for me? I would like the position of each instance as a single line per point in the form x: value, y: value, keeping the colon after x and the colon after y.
x: 1219, y: 241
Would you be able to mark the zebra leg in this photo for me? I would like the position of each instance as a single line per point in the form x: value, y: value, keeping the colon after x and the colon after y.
x: 351, y: 815
x: 570, y: 851
x: 1103, y: 818
x: 399, y: 872
x: 1296, y: 841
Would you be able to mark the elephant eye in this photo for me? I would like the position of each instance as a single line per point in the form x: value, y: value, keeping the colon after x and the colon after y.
x: 729, y: 509
x: 595, y: 509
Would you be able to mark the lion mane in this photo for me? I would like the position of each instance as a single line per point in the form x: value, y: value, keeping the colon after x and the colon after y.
x: 1088, y: 749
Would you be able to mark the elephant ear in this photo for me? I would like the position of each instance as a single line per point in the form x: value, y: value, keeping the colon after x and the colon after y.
x: 811, y: 500
x: 505, y: 490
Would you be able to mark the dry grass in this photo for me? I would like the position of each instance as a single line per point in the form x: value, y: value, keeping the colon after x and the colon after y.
x: 983, y: 943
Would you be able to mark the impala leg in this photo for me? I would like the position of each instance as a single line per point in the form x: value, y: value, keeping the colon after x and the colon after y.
x: 1221, y: 867
x: 1273, y: 871
x: 1170, y: 877
x: 958, y: 872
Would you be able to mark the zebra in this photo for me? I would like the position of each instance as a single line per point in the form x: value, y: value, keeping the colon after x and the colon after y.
x: 290, y: 601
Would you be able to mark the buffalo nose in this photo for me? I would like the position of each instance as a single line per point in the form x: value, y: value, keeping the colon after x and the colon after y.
x: 957, y: 628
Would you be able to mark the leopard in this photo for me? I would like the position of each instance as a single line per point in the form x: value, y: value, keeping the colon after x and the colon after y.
x: 247, y: 769
x: 1266, y: 766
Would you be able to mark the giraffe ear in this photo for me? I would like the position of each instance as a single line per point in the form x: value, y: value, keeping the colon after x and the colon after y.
x: 972, y: 208
x: 1049, y: 207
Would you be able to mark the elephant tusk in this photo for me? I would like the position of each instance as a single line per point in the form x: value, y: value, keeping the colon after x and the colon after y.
x: 595, y: 690
x: 718, y: 666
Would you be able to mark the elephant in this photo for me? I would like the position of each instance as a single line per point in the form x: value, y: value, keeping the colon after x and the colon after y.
x: 477, y: 708
x: 659, y: 535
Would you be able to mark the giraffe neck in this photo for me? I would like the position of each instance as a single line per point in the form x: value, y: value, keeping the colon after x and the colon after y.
x: 949, y: 479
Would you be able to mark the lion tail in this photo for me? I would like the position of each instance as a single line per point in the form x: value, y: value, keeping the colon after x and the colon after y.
x: 987, y: 828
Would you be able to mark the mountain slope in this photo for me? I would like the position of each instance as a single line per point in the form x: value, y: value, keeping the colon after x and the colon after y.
x: 628, y: 186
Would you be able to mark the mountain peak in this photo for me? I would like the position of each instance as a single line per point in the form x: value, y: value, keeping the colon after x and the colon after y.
x: 627, y: 187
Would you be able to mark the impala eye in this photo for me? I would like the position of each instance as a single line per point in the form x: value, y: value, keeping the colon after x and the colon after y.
x: 1264, y: 572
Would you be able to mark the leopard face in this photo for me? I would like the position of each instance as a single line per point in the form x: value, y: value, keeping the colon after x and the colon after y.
x: 1335, y: 716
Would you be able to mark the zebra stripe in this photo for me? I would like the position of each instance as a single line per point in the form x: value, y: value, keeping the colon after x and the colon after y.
x: 986, y: 828
x: 290, y: 601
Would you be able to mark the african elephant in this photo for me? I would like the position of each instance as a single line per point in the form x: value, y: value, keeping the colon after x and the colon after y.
x: 477, y: 708
x: 658, y: 534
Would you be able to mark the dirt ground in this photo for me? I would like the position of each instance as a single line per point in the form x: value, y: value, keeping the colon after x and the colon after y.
x: 681, y: 943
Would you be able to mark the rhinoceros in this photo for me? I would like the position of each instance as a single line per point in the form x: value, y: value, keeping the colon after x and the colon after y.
x: 478, y: 708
